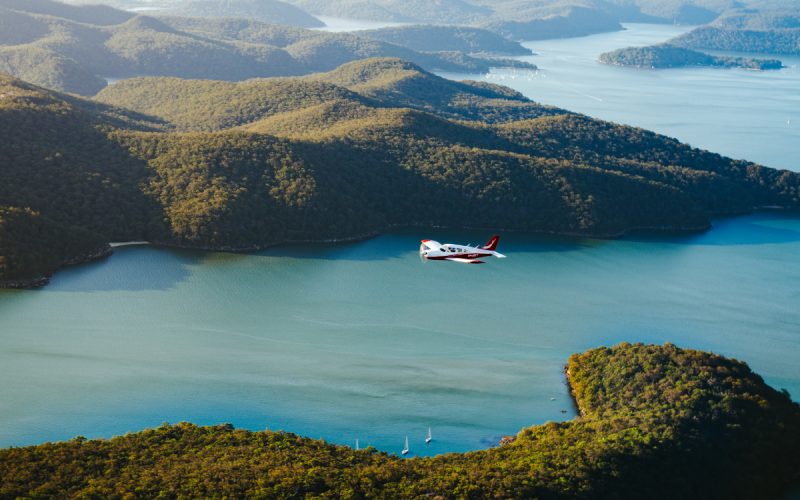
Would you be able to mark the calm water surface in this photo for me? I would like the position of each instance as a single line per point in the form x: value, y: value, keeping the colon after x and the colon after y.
x: 752, y: 115
x: 365, y: 341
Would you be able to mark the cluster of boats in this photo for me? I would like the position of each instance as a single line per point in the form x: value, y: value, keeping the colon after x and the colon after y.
x: 406, y: 448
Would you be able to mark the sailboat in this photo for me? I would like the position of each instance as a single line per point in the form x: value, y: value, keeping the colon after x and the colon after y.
x: 429, y: 438
x: 356, y: 444
x: 405, y: 450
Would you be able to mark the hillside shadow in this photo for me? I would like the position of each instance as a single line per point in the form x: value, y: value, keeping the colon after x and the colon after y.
x: 130, y: 269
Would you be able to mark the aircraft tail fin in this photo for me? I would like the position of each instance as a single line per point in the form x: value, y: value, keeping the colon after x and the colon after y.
x: 492, y: 243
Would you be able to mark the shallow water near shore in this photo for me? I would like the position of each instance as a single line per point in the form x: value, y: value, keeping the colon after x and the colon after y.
x: 364, y: 341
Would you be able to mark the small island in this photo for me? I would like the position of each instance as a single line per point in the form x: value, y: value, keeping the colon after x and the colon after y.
x: 670, y: 56
x: 655, y: 422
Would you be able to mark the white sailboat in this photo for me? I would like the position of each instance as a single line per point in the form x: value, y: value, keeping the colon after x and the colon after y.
x: 356, y: 444
x: 405, y: 450
x: 429, y: 438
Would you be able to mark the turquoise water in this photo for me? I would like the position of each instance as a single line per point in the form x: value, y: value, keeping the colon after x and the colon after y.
x: 739, y: 113
x: 364, y: 341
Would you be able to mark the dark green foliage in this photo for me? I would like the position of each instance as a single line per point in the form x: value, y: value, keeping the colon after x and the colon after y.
x: 347, y: 154
x: 670, y: 56
x: 656, y: 422
x: 33, y: 246
x: 68, y: 188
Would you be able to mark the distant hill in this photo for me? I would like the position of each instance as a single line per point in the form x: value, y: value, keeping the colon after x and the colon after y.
x: 669, y: 56
x: 541, y: 24
x: 769, y: 28
x: 776, y: 41
x: 765, y: 27
x: 410, y: 11
x: 379, y: 83
x: 426, y: 38
x: 63, y: 54
x: 710, y: 422
x: 241, y: 166
x: 530, y: 20
x: 267, y: 11
x: 96, y: 13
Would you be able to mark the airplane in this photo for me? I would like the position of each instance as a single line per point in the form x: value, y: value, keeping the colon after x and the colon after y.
x: 465, y: 254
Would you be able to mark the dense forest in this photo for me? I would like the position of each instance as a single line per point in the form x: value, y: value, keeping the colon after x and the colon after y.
x: 779, y: 41
x: 669, y: 56
x: 767, y: 27
x: 239, y: 166
x: 655, y: 422
x: 74, y: 49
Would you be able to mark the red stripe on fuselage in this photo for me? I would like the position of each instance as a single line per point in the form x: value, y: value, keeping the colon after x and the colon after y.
x: 459, y: 256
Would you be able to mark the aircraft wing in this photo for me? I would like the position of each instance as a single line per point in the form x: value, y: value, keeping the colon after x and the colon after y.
x: 431, y: 244
x: 464, y: 261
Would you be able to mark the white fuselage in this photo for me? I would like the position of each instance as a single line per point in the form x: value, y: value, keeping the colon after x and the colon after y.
x: 433, y: 250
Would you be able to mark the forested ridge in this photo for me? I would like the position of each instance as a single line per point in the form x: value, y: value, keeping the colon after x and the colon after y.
x: 655, y: 422
x: 74, y: 49
x: 763, y: 28
x: 775, y: 41
x: 372, y: 145
x: 670, y: 56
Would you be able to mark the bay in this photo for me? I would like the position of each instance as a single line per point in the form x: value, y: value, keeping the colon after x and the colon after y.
x: 743, y: 114
x: 363, y: 340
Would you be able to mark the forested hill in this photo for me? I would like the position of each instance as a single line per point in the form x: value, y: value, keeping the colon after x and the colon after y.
x: 465, y: 39
x: 656, y: 422
x: 267, y: 11
x: 74, y: 49
x: 771, y: 28
x: 669, y: 56
x: 776, y: 41
x: 339, y: 155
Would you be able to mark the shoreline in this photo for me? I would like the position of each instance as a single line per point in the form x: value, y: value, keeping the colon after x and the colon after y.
x: 108, y: 249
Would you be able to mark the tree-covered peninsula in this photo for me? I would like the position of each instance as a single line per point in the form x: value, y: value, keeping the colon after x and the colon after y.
x: 372, y: 145
x: 655, y: 422
x: 670, y: 56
